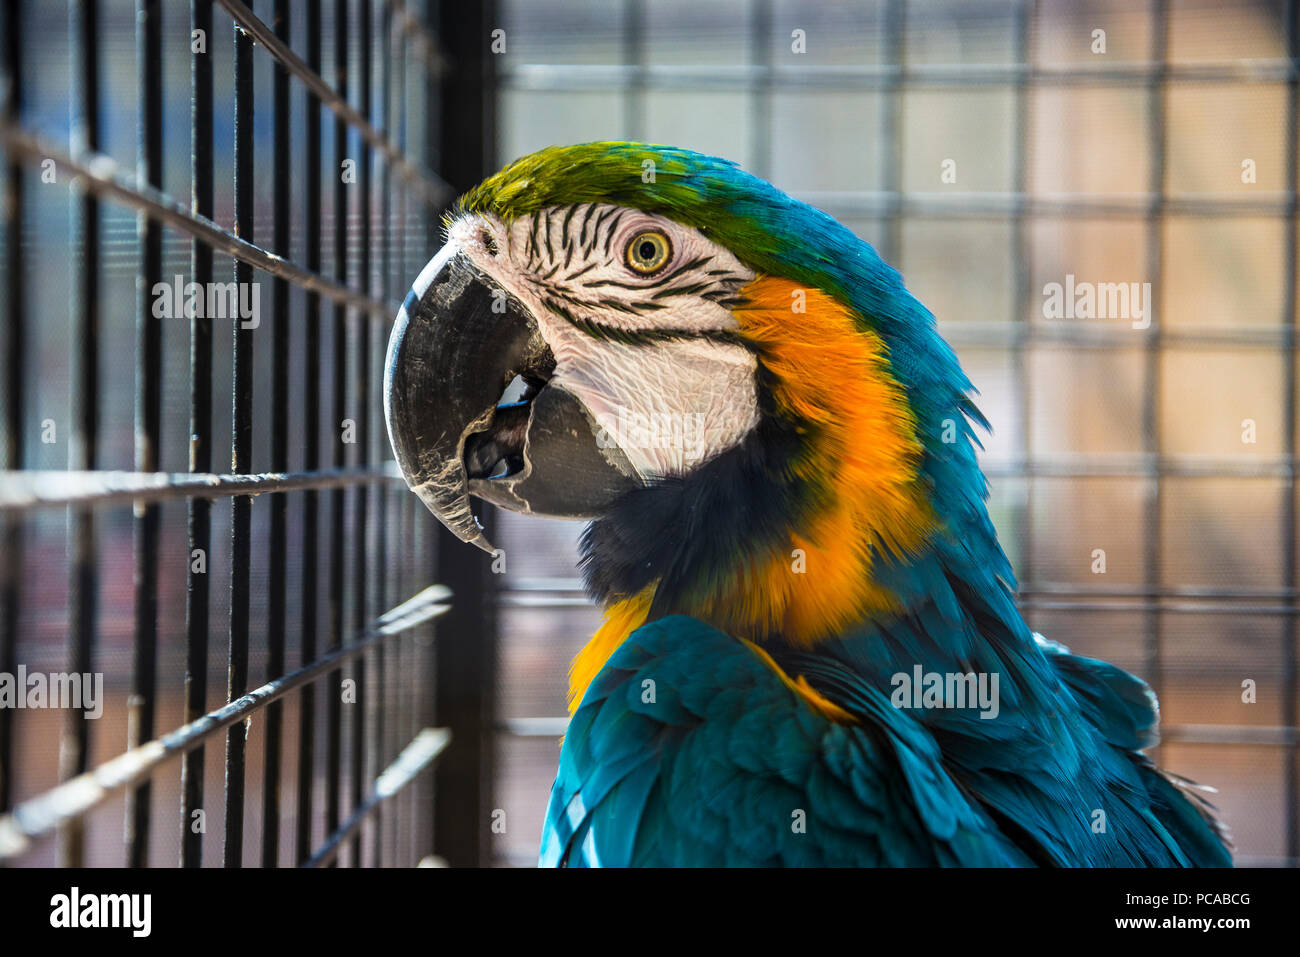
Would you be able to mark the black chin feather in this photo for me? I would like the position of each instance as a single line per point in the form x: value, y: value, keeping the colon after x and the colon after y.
x: 687, y: 532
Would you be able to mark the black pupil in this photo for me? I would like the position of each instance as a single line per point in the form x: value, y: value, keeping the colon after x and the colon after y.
x: 647, y: 250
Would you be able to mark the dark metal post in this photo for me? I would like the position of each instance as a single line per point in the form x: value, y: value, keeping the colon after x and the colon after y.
x: 362, y: 399
x: 384, y: 501
x: 199, y: 517
x: 466, y: 645
x: 334, y: 684
x: 311, y: 450
x: 11, y: 440
x: 1157, y: 97
x: 148, y: 421
x: 1021, y: 258
x: 241, y: 419
x: 276, y: 580
x: 83, y: 38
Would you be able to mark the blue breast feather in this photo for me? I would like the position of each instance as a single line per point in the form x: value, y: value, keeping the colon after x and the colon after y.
x: 688, y: 750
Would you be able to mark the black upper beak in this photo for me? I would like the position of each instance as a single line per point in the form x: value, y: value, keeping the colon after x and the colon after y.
x: 458, y: 342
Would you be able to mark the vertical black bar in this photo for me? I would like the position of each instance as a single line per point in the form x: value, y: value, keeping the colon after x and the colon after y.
x: 425, y: 676
x: 891, y: 134
x: 400, y: 282
x: 311, y: 444
x: 634, y: 94
x: 241, y: 417
x: 11, y: 443
x: 276, y: 580
x: 199, y: 510
x: 760, y: 115
x: 466, y: 653
x: 383, y: 500
x: 1156, y: 102
x: 402, y: 562
x: 364, y: 323
x: 334, y: 684
x: 148, y: 417
x: 74, y: 750
x: 1290, y: 397
x: 1021, y: 253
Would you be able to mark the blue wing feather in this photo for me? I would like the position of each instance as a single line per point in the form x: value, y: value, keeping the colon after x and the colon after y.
x: 689, y: 750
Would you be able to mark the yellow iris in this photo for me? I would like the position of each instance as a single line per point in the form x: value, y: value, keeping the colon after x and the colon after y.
x: 647, y: 252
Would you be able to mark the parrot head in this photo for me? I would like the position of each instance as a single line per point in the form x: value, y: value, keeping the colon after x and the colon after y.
x: 760, y: 421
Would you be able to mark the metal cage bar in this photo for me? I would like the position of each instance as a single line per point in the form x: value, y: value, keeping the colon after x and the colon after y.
x: 311, y: 451
x: 241, y: 454
x: 198, y: 509
x: 11, y: 555
x: 464, y: 776
x: 83, y: 29
x: 390, y: 738
x: 277, y: 579
x: 148, y: 422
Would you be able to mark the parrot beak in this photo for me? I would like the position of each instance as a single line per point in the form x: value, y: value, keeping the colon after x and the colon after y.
x: 458, y: 344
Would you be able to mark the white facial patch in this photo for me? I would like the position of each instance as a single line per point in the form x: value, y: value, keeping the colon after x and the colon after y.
x: 679, y: 392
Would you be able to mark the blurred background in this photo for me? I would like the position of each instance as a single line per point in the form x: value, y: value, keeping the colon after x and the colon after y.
x: 987, y: 149
x: 1122, y: 166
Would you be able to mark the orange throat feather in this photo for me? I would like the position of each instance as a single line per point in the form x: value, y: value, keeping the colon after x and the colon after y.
x: 830, y: 375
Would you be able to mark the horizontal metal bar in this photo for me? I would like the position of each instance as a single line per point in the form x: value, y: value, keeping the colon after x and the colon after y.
x: 433, y: 188
x: 1264, y: 860
x: 42, y: 814
x: 1268, y: 735
x: 534, y: 727
x: 867, y: 77
x: 1264, y: 735
x: 1001, y: 205
x: 1095, y: 334
x: 1180, y: 608
x: 102, y: 176
x: 415, y: 757
x: 513, y: 599
x: 1138, y: 465
x: 560, y: 586
x: 546, y: 583
x: 20, y: 491
x: 530, y: 600
x: 1231, y: 604
x: 1161, y: 591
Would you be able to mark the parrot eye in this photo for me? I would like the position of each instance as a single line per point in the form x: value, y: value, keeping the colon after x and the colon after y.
x: 647, y: 252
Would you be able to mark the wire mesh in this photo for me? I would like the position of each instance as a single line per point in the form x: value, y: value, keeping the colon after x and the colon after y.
x: 325, y: 567
x: 1067, y: 153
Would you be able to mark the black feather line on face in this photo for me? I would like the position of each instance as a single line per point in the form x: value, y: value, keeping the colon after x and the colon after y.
x: 646, y: 337
x: 532, y: 241
x: 568, y: 218
x: 690, y: 290
x: 617, y: 284
x: 695, y: 263
x: 582, y: 234
x: 546, y: 232
x: 595, y: 229
x: 613, y: 225
x: 566, y: 238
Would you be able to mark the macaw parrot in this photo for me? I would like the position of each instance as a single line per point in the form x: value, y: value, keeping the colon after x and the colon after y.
x: 811, y: 652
